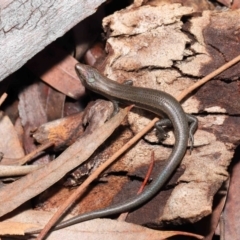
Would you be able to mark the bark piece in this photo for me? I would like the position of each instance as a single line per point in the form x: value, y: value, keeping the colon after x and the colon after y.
x: 197, y: 5
x: 62, y: 132
x: 217, y: 101
x: 65, y: 131
x: 221, y: 37
x: 202, y: 184
x: 152, y: 46
x: 149, y: 36
x: 27, y: 27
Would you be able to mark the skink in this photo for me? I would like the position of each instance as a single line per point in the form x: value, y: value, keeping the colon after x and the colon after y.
x: 158, y: 102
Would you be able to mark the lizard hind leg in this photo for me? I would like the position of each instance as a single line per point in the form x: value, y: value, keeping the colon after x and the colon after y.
x: 193, y: 124
x: 160, y: 126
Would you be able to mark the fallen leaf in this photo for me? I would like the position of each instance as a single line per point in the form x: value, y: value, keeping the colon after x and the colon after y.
x: 15, y: 228
x: 101, y: 229
x: 231, y: 214
x: 32, y: 114
x: 15, y: 194
x: 10, y: 171
x: 104, y: 229
x: 55, y: 67
x: 55, y: 101
x: 9, y: 144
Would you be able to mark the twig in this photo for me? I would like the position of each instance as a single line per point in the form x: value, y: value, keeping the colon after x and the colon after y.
x: 192, y: 88
x: 2, y: 98
x: 27, y: 158
x: 34, y: 153
x: 10, y: 171
x: 208, y: 77
x: 150, y: 168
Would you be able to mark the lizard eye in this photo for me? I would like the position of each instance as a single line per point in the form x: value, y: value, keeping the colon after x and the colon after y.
x: 91, y: 80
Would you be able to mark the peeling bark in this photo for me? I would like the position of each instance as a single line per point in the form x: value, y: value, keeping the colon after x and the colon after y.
x: 155, y: 48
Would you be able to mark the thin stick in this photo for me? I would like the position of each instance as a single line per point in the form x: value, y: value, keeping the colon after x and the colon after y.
x: 208, y: 77
x: 150, y: 168
x: 2, y: 98
x: 34, y: 153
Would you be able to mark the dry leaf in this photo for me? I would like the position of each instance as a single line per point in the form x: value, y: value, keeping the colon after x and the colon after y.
x: 231, y: 214
x: 55, y: 101
x: 15, y: 194
x: 56, y: 68
x: 9, y: 144
x: 10, y: 171
x: 104, y: 229
x: 15, y: 228
x: 95, y: 229
x: 32, y: 114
